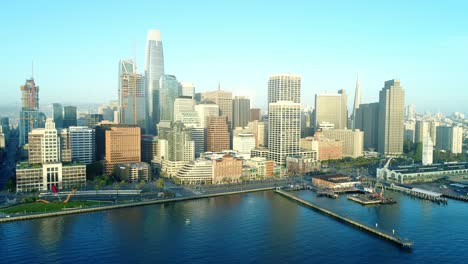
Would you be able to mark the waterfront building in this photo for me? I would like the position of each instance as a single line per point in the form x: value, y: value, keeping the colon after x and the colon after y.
x: 332, y: 108
x: 218, y: 138
x: 367, y: 120
x: 44, y: 167
x: 83, y: 142
x: 122, y: 145
x: 450, y: 138
x: 243, y: 142
x: 422, y: 173
x: 187, y: 89
x: 133, y: 172
x: 206, y: 110
x: 226, y: 169
x: 69, y: 116
x: 262, y: 167
x: 300, y: 165
x: 333, y: 181
x: 427, y: 151
x: 57, y: 113
x: 224, y: 101
x: 132, y: 95
x: 195, y: 172
x: 240, y: 111
x: 255, y: 114
x: 391, y: 118
x: 284, y: 133
x: 29, y: 115
x: 154, y: 70
x: 182, y: 106
x: 353, y: 141
x: 168, y: 92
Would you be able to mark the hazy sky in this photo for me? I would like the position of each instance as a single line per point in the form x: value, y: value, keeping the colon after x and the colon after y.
x: 76, y: 46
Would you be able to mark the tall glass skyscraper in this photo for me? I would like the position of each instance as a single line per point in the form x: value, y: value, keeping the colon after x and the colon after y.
x: 131, y: 95
x: 29, y: 115
x: 58, y: 115
x: 154, y: 69
x: 169, y: 91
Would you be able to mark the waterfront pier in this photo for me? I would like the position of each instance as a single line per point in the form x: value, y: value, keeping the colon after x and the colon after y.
x: 405, y: 243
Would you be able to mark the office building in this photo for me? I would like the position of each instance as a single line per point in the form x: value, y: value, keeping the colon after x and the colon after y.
x: 357, y: 102
x: 422, y: 130
x: 226, y: 169
x: 261, y: 167
x: 427, y: 151
x: 332, y: 108
x: 195, y: 173
x: 307, y: 123
x: 224, y: 101
x: 353, y: 141
x: 411, y: 112
x: 183, y: 105
x: 255, y: 114
x: 284, y: 87
x: 284, y: 130
x: 65, y: 145
x: 57, y: 112
x: 205, y: 111
x: 133, y: 172
x: 243, y: 142
x: 154, y: 70
x: 92, y: 120
x: 122, y: 145
x: 218, y: 138
x: 410, y: 129
x: 367, y: 120
x: 83, y: 142
x: 69, y: 116
x: 187, y: 89
x: 149, y: 148
x: 240, y: 111
x: 168, y: 92
x: 199, y: 139
x: 132, y: 95
x: 29, y: 115
x: 450, y: 138
x: 300, y: 165
x: 391, y: 118
x: 327, y: 149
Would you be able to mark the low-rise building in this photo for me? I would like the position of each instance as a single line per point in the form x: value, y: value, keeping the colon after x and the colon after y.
x: 133, y: 172
x: 421, y: 173
x: 298, y: 164
x: 226, y: 169
x: 333, y: 181
x: 260, y: 167
x: 196, y: 172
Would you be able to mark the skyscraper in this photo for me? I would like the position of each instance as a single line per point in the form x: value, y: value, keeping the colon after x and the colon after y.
x: 58, y: 115
x: 218, y: 138
x: 69, y: 116
x: 357, y: 101
x: 367, y: 120
x: 82, y: 141
x: 168, y: 92
x: 427, y: 151
x: 422, y: 131
x: 29, y: 115
x: 154, y: 69
x: 240, y: 111
x: 284, y: 116
x: 331, y: 108
x: 391, y: 118
x: 132, y: 101
x: 182, y: 106
x: 187, y: 89
x: 122, y: 145
x: 206, y: 110
x: 255, y: 114
x: 224, y: 101
x: 450, y: 138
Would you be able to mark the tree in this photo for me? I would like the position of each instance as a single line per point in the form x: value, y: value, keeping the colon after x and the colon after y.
x: 10, y: 186
x: 160, y: 183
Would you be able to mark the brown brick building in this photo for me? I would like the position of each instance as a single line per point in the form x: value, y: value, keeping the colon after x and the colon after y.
x: 218, y: 138
x: 122, y: 146
x: 226, y: 169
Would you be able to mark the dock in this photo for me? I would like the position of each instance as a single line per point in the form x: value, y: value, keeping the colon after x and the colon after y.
x: 419, y: 193
x: 404, y: 243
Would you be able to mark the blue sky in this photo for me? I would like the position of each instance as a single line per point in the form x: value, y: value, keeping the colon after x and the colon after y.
x: 76, y: 46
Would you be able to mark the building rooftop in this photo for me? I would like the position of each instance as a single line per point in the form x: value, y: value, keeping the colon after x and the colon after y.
x: 337, y: 178
x: 418, y: 168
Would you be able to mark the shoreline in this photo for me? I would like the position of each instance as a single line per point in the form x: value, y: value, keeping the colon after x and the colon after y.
x: 119, y: 206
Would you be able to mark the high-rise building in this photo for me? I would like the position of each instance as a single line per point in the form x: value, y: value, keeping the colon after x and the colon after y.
x: 224, y: 101
x: 410, y: 129
x: 69, y: 116
x: 58, y: 115
x: 132, y: 95
x: 183, y: 104
x: 422, y: 131
x: 307, y: 123
x: 357, y: 101
x: 5, y: 124
x: 259, y: 131
x: 391, y: 118
x: 255, y: 114
x: 168, y: 92
x: 331, y: 108
x: 427, y: 151
x: 284, y: 87
x: 284, y: 130
x: 199, y: 138
x: 367, y: 120
x: 65, y: 145
x: 82, y: 140
x: 243, y: 142
x: 218, y: 138
x: 284, y: 116
x: 44, y: 167
x: 353, y: 140
x: 122, y: 145
x: 154, y: 70
x: 450, y: 138
x: 92, y: 120
x: 410, y: 112
x: 205, y: 111
x: 149, y: 148
x: 29, y: 115
x: 187, y: 89
x: 240, y: 111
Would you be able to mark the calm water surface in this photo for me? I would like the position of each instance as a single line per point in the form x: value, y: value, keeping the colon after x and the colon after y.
x: 259, y: 227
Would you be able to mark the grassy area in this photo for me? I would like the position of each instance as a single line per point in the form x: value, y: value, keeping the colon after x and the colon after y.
x: 39, y: 207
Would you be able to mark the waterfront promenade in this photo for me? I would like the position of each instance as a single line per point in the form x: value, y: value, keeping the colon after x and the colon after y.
x: 402, y: 242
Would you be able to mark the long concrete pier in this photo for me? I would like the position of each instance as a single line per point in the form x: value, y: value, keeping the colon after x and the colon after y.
x: 126, y: 205
x: 402, y: 242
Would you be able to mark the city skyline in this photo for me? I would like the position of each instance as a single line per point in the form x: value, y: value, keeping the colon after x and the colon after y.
x: 417, y: 50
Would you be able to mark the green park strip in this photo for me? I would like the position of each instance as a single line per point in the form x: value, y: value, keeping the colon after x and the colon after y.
x: 39, y: 207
